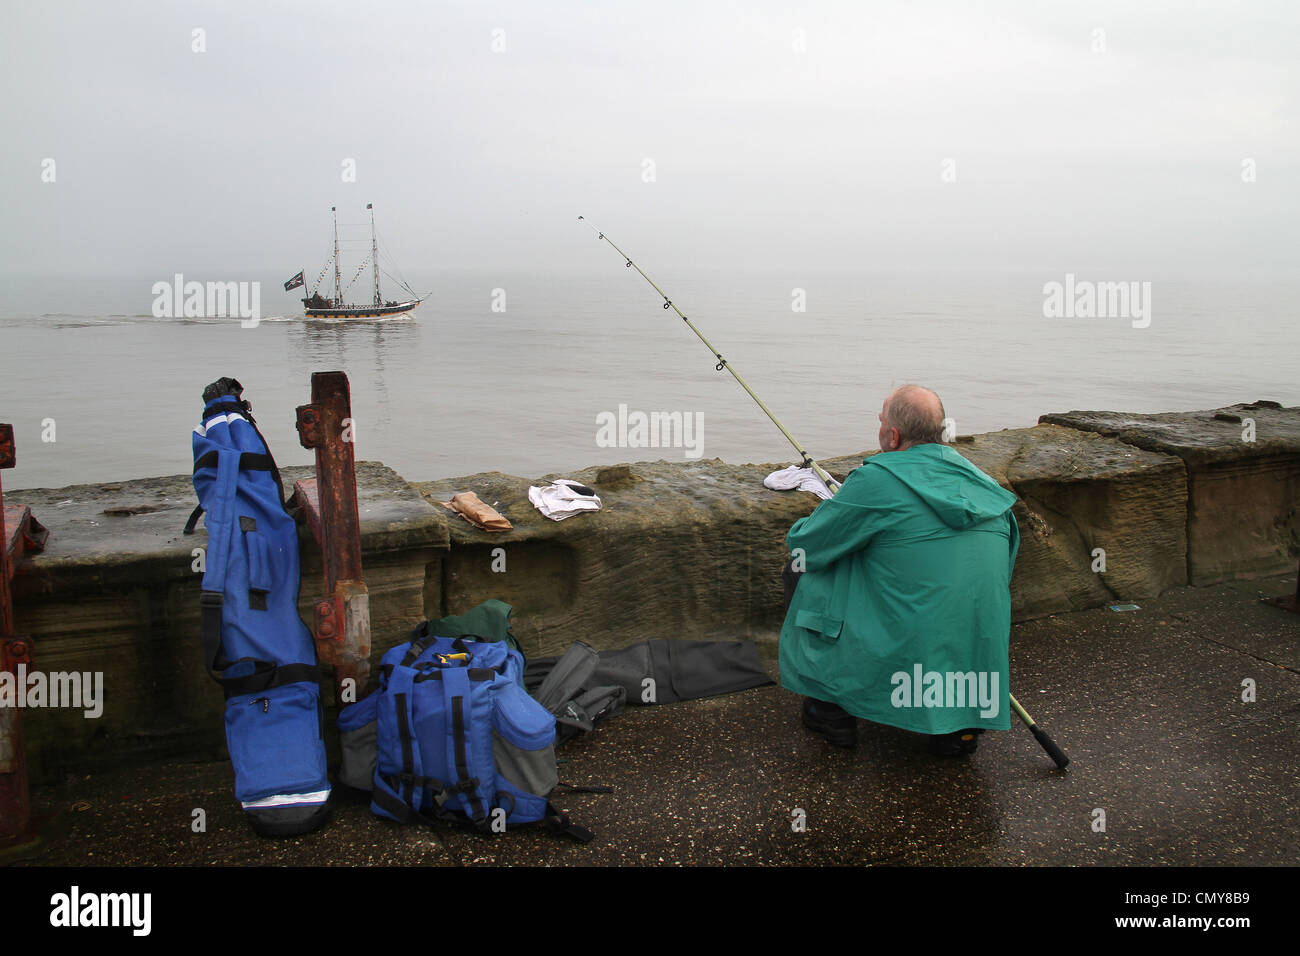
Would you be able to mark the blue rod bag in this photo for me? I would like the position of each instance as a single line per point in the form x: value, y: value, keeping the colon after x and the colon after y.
x: 254, y: 640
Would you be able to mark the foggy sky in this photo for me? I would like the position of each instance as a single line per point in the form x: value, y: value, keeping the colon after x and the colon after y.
x: 1126, y: 162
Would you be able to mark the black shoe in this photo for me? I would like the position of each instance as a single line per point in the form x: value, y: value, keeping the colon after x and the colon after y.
x: 837, y: 725
x: 957, y: 744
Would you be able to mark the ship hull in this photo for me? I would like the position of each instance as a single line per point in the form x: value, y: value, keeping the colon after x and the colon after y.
x: 361, y: 311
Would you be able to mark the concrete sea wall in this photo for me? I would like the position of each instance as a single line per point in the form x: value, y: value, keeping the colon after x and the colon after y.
x: 1113, y: 507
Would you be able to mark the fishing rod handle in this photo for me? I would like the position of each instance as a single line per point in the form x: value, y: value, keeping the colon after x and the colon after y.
x: 1056, y: 753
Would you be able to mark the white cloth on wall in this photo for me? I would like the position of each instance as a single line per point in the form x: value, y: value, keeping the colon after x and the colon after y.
x: 563, y: 499
x: 796, y: 476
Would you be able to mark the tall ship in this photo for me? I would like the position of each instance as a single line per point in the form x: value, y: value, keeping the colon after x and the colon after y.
x: 318, y: 305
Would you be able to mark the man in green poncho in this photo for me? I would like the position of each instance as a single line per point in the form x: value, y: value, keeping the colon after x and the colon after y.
x: 904, y: 613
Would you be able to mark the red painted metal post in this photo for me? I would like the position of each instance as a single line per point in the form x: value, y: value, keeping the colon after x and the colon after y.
x: 342, y: 617
x: 15, y: 808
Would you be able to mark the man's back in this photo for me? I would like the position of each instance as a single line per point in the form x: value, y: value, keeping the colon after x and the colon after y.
x: 908, y: 574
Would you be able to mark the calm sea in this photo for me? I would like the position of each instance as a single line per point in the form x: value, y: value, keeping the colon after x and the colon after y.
x: 459, y: 388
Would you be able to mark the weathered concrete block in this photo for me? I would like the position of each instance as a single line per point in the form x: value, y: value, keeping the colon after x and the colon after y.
x: 1100, y: 521
x: 1243, y: 474
x: 117, y: 591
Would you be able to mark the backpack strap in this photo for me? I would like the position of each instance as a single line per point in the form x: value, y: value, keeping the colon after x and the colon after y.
x: 401, y: 692
x: 558, y: 822
x: 267, y: 675
x: 420, y: 640
x: 593, y: 788
x: 406, y: 814
x: 460, y: 746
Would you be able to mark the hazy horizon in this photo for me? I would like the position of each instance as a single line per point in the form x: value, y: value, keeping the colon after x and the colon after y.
x: 1089, y: 138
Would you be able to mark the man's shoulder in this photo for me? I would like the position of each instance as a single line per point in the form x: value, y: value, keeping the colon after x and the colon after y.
x: 865, y: 484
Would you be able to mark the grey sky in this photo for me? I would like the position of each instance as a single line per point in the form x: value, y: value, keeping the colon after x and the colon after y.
x: 1126, y: 162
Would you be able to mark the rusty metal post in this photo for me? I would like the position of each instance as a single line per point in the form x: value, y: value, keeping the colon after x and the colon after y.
x: 342, y: 617
x: 15, y: 808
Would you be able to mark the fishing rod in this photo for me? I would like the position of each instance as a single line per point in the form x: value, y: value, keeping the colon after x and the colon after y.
x: 808, y: 461
x: 1056, y: 753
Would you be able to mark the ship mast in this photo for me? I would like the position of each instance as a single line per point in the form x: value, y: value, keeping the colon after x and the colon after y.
x: 338, y: 282
x: 374, y: 252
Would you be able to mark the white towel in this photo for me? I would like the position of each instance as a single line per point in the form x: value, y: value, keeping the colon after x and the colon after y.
x: 562, y: 499
x: 805, y: 479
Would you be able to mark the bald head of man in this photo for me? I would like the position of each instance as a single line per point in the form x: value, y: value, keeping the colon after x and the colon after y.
x: 911, y: 415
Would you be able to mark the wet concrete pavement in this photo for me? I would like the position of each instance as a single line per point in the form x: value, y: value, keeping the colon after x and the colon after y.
x: 1148, y: 705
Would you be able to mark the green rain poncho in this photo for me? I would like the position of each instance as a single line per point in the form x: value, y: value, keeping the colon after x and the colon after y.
x: 904, y: 614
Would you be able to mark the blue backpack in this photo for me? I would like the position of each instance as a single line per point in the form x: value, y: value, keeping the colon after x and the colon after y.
x: 452, y: 736
x: 254, y: 641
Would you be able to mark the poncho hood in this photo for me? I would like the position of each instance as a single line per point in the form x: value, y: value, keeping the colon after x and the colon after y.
x: 958, y: 492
